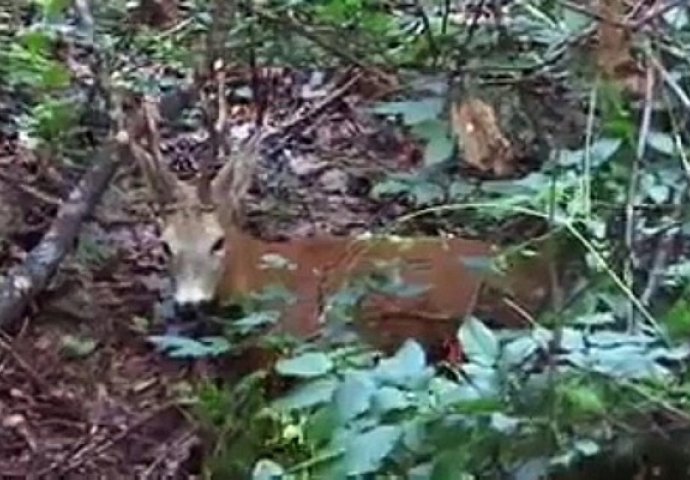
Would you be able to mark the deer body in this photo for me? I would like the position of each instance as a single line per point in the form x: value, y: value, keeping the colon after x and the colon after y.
x: 211, y: 258
x: 321, y: 266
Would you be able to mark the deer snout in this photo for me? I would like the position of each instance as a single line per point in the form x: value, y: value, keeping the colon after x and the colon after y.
x: 190, y: 310
x: 191, y: 303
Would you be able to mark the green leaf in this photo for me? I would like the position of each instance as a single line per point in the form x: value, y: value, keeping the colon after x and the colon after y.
x: 600, y: 152
x: 53, y: 8
x: 309, y: 395
x: 677, y: 319
x: 480, y: 265
x: 461, y: 189
x: 366, y: 452
x: 274, y: 295
x: 478, y: 342
x: 450, y: 465
x: 575, y: 21
x: 677, y: 17
x: 412, y: 111
x: 604, y: 149
x: 584, y: 399
x: 482, y: 379
x: 307, y: 365
x: 426, y: 193
x: 595, y: 319
x: 256, y: 320
x: 390, y: 187
x: 519, y: 350
x: 662, y: 142
x: 321, y: 424
x: 180, y: 347
x: 353, y: 395
x: 503, y: 423
x: 439, y: 145
x: 388, y: 399
x: 407, y: 368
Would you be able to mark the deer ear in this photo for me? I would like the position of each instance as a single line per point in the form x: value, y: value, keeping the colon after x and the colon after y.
x: 230, y: 186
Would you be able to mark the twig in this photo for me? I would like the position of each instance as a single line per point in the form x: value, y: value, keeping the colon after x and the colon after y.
x: 34, y: 192
x: 34, y: 376
x: 99, y: 448
x: 672, y: 84
x: 630, y: 217
x: 182, y: 442
x: 322, y: 105
x: 84, y: 12
x: 626, y: 24
x: 649, y: 16
x: 656, y: 270
x: 593, y: 14
x: 427, y: 28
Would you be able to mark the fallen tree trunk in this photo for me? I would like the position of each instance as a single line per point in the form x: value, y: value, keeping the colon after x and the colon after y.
x: 24, y: 282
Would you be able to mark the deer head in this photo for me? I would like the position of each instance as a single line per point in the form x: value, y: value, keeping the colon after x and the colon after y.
x: 196, y: 218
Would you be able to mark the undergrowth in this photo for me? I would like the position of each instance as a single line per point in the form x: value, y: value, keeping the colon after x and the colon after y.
x: 521, y: 403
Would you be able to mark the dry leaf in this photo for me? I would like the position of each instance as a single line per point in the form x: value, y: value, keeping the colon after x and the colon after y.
x: 481, y: 139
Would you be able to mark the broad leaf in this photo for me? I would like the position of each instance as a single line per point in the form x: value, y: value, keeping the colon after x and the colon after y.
x: 426, y: 193
x: 366, y: 452
x: 585, y: 399
x: 438, y: 145
x: 307, y: 365
x: 595, y: 319
x: 390, y: 398
x: 519, y: 350
x: 407, y: 368
x: 662, y: 142
x: 311, y: 394
x: 484, y: 380
x: 478, y: 342
x: 255, y: 320
x: 353, y: 395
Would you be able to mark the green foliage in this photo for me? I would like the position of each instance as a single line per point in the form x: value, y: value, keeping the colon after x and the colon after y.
x: 312, y: 364
x: 423, y: 116
x: 182, y: 347
x: 349, y: 415
x: 47, y: 121
x: 29, y: 63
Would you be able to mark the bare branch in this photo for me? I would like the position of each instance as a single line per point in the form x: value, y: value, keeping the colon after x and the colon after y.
x: 25, y: 281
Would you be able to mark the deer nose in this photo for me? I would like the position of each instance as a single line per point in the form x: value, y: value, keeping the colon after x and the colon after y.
x: 187, y: 310
x: 192, y: 310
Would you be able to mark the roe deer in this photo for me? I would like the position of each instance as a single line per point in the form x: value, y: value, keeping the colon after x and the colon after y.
x: 212, y: 259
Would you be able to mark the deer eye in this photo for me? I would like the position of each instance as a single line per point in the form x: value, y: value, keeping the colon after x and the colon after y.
x: 218, y: 245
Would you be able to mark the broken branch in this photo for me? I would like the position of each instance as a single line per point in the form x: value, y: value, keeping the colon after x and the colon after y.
x: 24, y: 282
